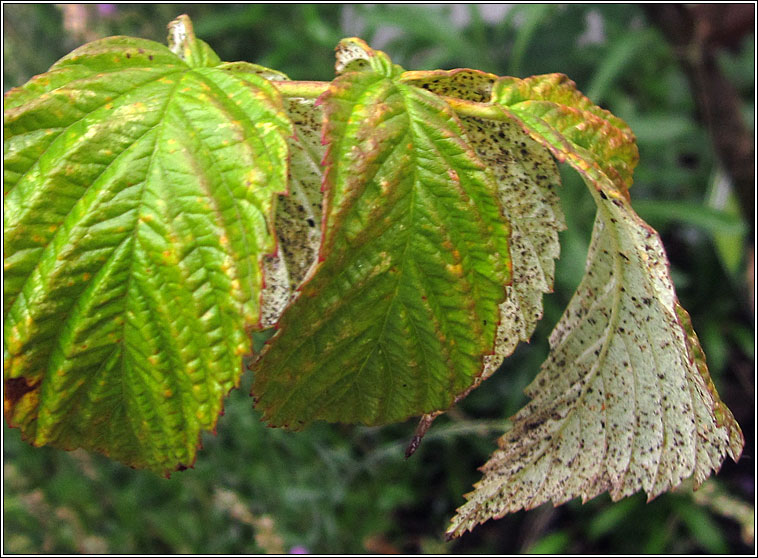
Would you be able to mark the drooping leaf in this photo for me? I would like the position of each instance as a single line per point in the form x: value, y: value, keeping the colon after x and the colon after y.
x: 402, y: 306
x: 140, y: 190
x: 624, y: 401
x: 592, y: 140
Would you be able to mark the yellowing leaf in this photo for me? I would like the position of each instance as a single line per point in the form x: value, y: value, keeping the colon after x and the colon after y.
x: 140, y: 193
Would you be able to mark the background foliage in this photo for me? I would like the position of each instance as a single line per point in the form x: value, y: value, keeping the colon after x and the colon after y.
x: 341, y: 489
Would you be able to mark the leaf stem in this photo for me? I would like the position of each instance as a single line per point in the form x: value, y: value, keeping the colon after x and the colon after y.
x: 313, y: 89
x: 472, y: 108
x: 304, y: 89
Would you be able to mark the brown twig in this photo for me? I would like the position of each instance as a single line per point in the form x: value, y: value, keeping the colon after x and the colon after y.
x: 696, y: 32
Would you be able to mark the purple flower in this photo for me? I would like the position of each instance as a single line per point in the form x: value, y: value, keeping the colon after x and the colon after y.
x: 106, y: 10
x: 299, y: 550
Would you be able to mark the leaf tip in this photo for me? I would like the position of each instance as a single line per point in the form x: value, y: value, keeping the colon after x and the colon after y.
x: 180, y: 33
x: 184, y: 44
x: 351, y: 50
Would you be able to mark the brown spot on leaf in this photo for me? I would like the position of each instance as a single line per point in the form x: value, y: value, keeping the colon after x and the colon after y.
x: 16, y: 388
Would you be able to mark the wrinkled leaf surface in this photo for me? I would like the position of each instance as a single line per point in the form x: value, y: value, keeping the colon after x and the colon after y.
x: 403, y: 304
x: 140, y: 188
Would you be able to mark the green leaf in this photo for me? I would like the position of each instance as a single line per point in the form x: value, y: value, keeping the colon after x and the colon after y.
x: 592, y: 140
x: 611, y: 518
x: 703, y: 528
x: 527, y: 179
x: 728, y: 240
x: 397, y: 315
x: 624, y: 401
x: 530, y: 17
x: 140, y: 191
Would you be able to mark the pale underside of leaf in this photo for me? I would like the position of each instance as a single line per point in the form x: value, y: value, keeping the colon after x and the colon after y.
x: 397, y: 315
x: 596, y: 143
x: 527, y: 181
x: 621, y: 404
x: 624, y: 401
x: 136, y: 218
x: 602, y: 138
x: 298, y: 215
x: 183, y: 43
x: 352, y: 54
x: 463, y: 83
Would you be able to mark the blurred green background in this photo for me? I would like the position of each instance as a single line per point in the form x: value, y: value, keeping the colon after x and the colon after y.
x: 339, y: 489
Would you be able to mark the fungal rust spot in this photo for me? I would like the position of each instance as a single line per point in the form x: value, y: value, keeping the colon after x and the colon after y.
x: 16, y: 388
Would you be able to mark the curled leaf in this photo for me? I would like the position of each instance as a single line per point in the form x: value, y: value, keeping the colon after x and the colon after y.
x: 624, y: 401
